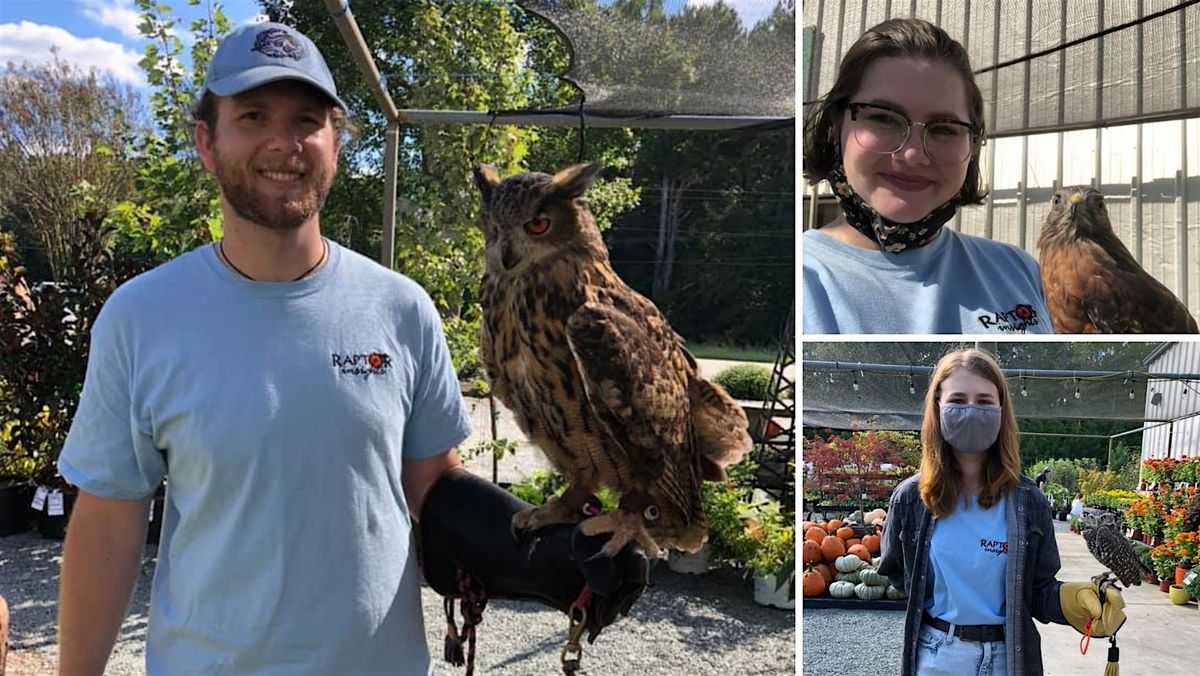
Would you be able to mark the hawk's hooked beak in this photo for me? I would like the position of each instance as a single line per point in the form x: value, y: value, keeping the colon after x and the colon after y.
x: 1073, y: 204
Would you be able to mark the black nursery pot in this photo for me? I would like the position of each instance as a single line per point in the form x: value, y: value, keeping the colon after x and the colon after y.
x: 55, y: 527
x: 14, y: 507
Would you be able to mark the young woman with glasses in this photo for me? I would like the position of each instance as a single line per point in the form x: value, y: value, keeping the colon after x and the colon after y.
x: 898, y: 137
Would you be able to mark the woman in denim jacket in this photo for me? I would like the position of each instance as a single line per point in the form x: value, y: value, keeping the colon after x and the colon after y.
x: 972, y: 598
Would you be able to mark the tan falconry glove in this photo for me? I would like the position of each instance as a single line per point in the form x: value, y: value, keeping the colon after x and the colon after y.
x: 1080, y: 603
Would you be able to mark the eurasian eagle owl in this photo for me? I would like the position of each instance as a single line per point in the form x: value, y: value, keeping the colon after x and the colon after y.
x: 595, y: 375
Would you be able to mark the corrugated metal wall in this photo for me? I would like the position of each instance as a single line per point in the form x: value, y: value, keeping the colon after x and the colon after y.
x: 1178, y: 399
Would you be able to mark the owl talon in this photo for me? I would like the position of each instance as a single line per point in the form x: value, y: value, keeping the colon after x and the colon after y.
x: 625, y: 527
x: 549, y: 514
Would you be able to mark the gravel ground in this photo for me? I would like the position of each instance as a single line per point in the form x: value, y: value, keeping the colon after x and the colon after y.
x: 833, y: 636
x: 705, y: 625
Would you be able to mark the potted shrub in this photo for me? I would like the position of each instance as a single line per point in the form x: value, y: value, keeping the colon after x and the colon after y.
x: 1060, y: 500
x: 16, y: 484
x: 1142, y: 551
x: 44, y: 339
x: 725, y: 507
x: 773, y: 561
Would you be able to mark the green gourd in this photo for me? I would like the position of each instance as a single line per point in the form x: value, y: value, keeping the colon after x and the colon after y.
x: 848, y: 577
x: 895, y: 594
x: 841, y: 590
x: 867, y: 592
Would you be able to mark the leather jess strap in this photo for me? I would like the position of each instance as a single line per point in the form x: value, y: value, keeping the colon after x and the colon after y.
x: 980, y: 633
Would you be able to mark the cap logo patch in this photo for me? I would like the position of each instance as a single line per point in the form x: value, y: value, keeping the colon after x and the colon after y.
x: 277, y: 43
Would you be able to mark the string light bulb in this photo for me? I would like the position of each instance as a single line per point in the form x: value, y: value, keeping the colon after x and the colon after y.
x: 911, y: 388
x: 1131, y: 396
x: 1024, y: 390
x: 855, y: 384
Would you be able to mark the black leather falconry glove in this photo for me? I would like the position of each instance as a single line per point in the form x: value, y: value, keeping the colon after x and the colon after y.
x: 468, y: 552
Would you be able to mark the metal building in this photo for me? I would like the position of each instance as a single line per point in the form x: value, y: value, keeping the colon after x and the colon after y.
x: 1174, y: 400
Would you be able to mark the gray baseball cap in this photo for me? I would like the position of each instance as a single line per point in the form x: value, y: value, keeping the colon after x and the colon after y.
x: 255, y: 54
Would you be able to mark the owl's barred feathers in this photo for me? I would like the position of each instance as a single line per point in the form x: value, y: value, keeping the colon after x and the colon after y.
x: 594, y: 373
x: 1109, y: 546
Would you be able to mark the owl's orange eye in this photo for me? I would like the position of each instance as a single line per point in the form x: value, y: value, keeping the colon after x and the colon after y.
x: 538, y: 226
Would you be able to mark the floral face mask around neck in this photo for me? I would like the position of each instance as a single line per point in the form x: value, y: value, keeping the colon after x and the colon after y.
x: 891, y: 236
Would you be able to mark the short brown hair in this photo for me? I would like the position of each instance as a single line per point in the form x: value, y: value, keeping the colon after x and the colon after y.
x: 205, y: 110
x: 940, y: 484
x: 913, y: 38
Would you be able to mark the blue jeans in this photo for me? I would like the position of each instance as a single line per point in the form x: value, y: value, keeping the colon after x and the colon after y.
x: 943, y: 654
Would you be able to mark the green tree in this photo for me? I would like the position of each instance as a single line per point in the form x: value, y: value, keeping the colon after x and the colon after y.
x: 447, y: 56
x: 60, y: 126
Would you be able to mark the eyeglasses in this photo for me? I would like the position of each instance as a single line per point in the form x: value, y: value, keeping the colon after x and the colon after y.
x: 885, y: 131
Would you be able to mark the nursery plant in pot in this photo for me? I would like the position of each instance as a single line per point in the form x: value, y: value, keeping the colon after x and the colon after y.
x: 16, y: 484
x: 725, y: 507
x: 774, y: 559
x: 1163, y: 558
x: 44, y: 339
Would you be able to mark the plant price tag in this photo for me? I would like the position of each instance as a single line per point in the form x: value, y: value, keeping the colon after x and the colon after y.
x: 39, y: 498
x: 55, y: 506
x: 1190, y: 577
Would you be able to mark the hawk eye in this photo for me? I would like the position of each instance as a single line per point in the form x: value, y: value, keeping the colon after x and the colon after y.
x: 1056, y: 199
x: 538, y: 226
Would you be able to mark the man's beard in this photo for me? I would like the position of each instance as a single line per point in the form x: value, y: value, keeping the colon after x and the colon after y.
x: 237, y: 184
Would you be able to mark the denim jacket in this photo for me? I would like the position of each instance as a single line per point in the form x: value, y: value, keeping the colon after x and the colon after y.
x: 1031, y: 591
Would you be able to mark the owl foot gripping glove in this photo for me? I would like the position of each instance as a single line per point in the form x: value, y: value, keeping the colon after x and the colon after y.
x: 469, y: 554
x: 1094, y: 608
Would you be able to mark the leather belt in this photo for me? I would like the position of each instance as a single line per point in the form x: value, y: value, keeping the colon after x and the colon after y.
x: 981, y: 633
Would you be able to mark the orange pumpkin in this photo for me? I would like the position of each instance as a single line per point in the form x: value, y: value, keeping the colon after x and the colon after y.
x: 834, y: 525
x: 805, y: 525
x: 832, y: 547
x: 871, y: 542
x: 859, y: 551
x: 845, y: 532
x: 852, y: 541
x: 812, y: 552
x: 816, y: 534
x: 813, y: 583
x: 825, y: 571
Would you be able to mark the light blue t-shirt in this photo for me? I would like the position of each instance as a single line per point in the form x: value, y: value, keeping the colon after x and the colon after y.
x: 285, y: 412
x: 955, y: 284
x: 967, y: 557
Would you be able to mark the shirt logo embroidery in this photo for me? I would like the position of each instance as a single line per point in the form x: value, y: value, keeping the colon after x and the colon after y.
x: 996, y: 547
x: 1016, y: 320
x: 365, y: 365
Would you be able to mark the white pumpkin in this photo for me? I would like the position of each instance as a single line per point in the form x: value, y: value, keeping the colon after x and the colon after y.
x: 848, y: 563
x: 872, y: 577
x: 841, y: 589
x: 867, y: 592
x: 847, y: 577
x: 895, y: 593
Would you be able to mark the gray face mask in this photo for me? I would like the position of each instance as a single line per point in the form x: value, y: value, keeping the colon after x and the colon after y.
x: 970, y: 428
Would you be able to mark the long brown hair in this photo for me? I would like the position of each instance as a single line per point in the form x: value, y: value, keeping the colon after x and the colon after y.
x: 913, y: 38
x: 941, y: 477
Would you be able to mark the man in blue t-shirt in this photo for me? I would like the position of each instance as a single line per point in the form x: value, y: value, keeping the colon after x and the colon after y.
x: 301, y: 400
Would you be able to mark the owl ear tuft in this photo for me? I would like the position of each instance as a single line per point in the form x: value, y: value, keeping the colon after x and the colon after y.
x: 486, y: 179
x: 574, y: 180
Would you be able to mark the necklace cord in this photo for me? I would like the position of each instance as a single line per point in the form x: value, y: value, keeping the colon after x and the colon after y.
x: 224, y: 257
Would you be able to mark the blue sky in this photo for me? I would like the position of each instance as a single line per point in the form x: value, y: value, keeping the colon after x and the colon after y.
x: 103, y: 33
x: 92, y: 33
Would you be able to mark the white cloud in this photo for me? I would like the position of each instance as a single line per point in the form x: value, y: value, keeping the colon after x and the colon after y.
x: 118, y: 14
x: 31, y: 42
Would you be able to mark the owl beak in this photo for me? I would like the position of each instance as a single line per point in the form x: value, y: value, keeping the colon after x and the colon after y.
x: 507, y: 258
